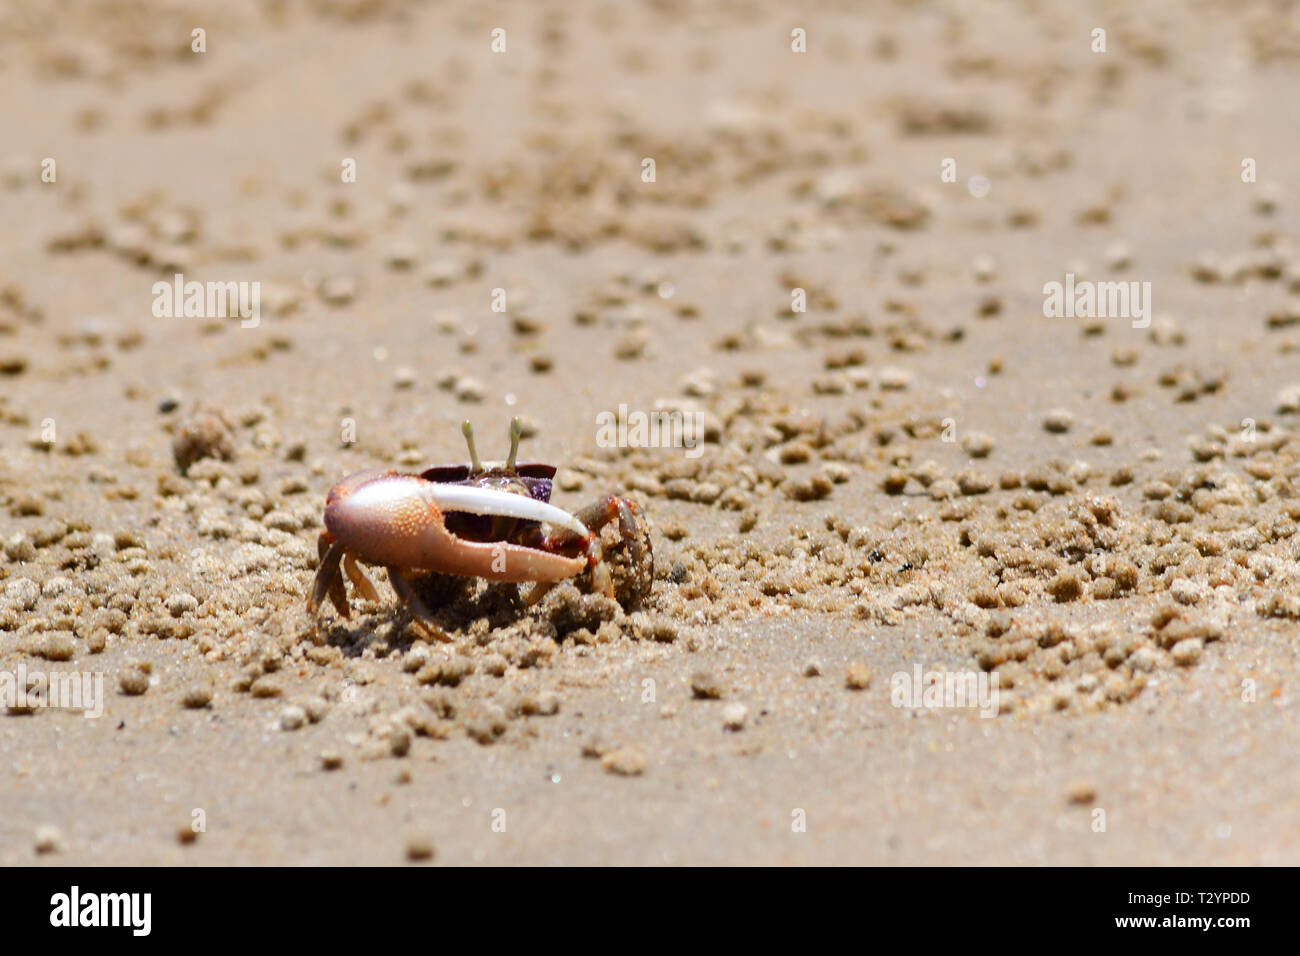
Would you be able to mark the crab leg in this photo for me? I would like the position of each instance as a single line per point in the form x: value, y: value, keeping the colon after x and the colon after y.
x: 419, y: 612
x: 339, y: 596
x: 328, y: 581
x: 358, y: 578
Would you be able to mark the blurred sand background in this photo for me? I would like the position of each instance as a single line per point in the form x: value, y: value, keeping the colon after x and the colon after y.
x: 921, y: 468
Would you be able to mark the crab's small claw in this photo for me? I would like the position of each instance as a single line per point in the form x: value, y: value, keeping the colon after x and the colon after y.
x: 595, y: 517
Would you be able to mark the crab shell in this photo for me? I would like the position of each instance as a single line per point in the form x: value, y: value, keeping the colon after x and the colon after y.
x: 399, y: 520
x: 536, y: 477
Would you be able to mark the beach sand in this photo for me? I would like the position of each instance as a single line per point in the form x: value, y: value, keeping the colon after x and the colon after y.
x: 837, y: 273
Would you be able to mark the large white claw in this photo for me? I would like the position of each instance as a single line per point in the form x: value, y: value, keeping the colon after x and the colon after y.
x: 489, y: 501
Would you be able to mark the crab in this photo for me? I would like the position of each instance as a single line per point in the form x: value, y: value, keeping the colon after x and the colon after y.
x: 492, y: 521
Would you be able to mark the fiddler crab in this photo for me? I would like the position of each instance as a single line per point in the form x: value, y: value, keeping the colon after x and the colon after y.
x: 492, y: 521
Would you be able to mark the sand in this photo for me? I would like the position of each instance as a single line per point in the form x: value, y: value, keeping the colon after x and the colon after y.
x: 905, y: 465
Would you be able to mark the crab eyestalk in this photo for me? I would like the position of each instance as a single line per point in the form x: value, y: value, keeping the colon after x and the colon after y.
x: 516, y: 432
x: 467, y: 429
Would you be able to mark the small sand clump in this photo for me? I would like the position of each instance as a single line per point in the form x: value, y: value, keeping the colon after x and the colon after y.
x: 624, y: 762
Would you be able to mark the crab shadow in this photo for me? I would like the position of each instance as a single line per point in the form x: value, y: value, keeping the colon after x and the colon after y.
x: 455, y: 604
